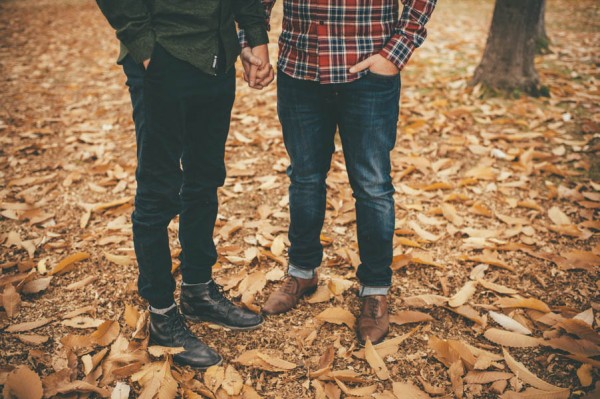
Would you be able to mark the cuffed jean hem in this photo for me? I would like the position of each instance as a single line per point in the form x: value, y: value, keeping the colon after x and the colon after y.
x: 370, y: 291
x: 299, y: 272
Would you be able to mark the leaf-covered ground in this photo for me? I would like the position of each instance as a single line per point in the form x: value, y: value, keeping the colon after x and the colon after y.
x: 497, y: 239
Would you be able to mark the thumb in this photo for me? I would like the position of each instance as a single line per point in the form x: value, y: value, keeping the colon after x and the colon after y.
x: 254, y: 60
x: 361, y: 66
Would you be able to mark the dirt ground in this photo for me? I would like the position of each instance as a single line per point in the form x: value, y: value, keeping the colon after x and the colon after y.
x: 503, y: 182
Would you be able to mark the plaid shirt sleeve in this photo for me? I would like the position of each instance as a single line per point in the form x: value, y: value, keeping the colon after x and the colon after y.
x: 410, y: 31
x: 268, y: 6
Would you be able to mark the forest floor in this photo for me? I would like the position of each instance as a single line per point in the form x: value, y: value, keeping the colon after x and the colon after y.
x: 497, y: 227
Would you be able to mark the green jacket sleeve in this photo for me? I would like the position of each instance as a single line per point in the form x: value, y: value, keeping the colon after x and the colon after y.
x: 250, y: 16
x: 131, y: 19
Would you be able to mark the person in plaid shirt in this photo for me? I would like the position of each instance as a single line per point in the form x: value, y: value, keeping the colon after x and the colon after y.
x: 339, y: 64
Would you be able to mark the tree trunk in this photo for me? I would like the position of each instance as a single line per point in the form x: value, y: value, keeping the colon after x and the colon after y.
x: 542, y: 41
x: 507, y: 62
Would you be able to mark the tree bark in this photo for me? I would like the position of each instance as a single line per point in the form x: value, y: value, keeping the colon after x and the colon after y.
x: 508, y: 59
x: 542, y: 41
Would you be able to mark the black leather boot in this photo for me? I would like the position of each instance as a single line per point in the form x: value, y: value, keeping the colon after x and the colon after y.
x: 205, y: 302
x: 170, y: 330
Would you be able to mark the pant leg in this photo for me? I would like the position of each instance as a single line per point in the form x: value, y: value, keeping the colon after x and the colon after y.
x: 207, y: 104
x: 368, y: 115
x: 158, y: 175
x: 307, y: 115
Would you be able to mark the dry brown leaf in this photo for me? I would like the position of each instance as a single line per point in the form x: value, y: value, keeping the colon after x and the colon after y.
x: 23, y: 384
x: 496, y: 287
x: 276, y: 363
x: 511, y: 339
x: 376, y: 362
x: 528, y: 303
x: 338, y: 286
x: 485, y: 377
x: 532, y: 393
x: 68, y: 263
x: 32, y: 339
x: 337, y: 315
x: 456, y: 372
x: 82, y: 387
x: 255, y: 358
x: 424, y: 234
x: 360, y: 391
x: 36, y: 286
x: 121, y: 260
x: 214, y: 377
x: 463, y: 295
x: 406, y: 390
x: 156, y: 379
x: 230, y: 228
x: 558, y: 217
x: 131, y: 315
x: 233, y: 382
x: 11, y: 301
x: 579, y: 328
x: 509, y: 323
x: 82, y: 322
x: 579, y: 260
x: 470, y: 313
x: 576, y: 346
x: 409, y: 316
x: 28, y: 326
x: 278, y: 245
x: 160, y: 351
x: 584, y: 373
x: 489, y: 258
x: 450, y: 213
x: 322, y: 294
x: 525, y: 375
x: 424, y: 301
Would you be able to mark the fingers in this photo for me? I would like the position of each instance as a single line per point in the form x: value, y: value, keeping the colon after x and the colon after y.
x: 252, y: 75
x: 361, y: 66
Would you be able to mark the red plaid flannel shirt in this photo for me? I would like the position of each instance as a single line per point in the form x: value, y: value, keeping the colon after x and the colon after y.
x: 322, y: 39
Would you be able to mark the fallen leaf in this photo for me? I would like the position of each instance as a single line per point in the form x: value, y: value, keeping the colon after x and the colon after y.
x: 509, y: 323
x: 23, y: 384
x: 528, y: 303
x: 409, y: 316
x: 525, y: 375
x: 68, y: 263
x: 11, y: 301
x: 511, y: 339
x: 406, y: 390
x: 337, y: 315
x: 32, y: 325
x: 376, y: 362
x: 464, y: 294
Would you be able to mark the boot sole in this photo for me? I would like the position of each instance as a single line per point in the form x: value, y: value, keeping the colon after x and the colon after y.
x: 306, y: 293
x: 197, y: 319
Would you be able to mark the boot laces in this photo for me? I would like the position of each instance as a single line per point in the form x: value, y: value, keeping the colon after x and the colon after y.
x: 371, y: 307
x: 289, y: 285
x: 179, y: 327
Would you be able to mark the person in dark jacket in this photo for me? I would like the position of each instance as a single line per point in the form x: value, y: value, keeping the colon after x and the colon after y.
x: 179, y: 59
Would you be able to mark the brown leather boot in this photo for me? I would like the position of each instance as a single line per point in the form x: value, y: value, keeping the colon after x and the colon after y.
x: 288, y: 295
x: 373, y: 322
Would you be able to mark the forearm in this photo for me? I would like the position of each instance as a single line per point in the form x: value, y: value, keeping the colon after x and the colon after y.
x: 410, y: 31
x: 267, y: 6
x: 133, y: 25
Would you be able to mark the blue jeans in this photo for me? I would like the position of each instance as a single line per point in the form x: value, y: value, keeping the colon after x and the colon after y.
x: 181, y: 119
x: 366, y: 113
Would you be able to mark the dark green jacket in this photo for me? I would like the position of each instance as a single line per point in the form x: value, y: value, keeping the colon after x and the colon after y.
x: 188, y: 29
